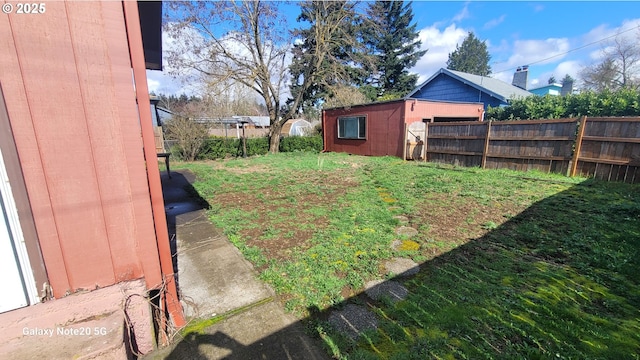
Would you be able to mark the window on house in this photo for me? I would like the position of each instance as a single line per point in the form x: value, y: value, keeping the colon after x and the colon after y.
x: 352, y: 127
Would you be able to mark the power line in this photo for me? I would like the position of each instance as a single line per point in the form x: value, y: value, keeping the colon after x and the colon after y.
x: 572, y: 50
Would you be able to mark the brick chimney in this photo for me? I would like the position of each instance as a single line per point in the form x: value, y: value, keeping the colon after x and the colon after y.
x: 520, y: 77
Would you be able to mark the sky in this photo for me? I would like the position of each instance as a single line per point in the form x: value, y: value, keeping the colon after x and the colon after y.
x: 554, y: 38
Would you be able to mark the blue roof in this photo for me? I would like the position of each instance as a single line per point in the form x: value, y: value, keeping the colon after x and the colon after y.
x: 494, y: 87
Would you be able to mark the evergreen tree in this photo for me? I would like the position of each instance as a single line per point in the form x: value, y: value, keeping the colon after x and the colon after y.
x: 332, y: 30
x: 471, y: 57
x: 567, y: 79
x: 552, y: 80
x: 391, y: 37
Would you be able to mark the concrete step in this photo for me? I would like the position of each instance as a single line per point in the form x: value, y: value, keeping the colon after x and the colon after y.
x: 99, y: 337
x: 86, y: 325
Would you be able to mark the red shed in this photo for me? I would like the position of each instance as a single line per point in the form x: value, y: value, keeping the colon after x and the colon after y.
x: 383, y: 128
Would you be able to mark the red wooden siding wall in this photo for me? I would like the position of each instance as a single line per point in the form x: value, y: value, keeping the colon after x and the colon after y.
x: 384, y: 130
x: 80, y: 145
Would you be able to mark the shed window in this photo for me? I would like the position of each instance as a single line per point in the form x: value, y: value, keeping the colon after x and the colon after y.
x: 352, y: 127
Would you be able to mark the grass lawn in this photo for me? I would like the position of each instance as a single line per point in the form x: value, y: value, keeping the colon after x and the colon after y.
x: 513, y: 265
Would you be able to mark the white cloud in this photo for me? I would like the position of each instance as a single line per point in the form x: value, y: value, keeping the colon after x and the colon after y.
x: 528, y: 52
x: 506, y: 76
x: 152, y: 84
x: 600, y: 38
x: 539, y: 51
x: 568, y: 67
x: 553, y: 56
x: 439, y: 44
x: 463, y: 14
x: 172, y: 80
x: 503, y: 46
x: 494, y: 22
x: 603, y: 33
x: 598, y: 33
x: 160, y: 82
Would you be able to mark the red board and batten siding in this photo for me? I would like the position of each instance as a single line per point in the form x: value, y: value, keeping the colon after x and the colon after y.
x: 383, y: 128
x: 80, y: 145
x: 386, y: 124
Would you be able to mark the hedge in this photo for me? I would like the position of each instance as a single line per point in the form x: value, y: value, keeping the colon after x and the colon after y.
x: 623, y: 102
x: 218, y: 148
x: 301, y: 143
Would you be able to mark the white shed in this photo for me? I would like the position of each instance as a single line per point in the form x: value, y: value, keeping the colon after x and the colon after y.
x: 296, y: 127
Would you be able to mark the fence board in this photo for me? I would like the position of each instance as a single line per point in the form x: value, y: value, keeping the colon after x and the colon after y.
x: 455, y: 159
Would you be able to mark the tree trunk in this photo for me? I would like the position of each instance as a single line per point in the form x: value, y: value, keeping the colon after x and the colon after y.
x: 274, y: 137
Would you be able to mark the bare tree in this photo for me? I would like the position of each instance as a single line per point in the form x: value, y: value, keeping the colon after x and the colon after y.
x: 619, y: 68
x: 244, y: 42
x: 626, y: 53
x: 601, y: 76
x: 189, y: 134
x: 230, y: 98
x: 344, y: 96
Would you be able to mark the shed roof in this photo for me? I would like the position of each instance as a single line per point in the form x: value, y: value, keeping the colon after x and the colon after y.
x: 541, y: 90
x: 263, y: 121
x: 494, y: 87
x: 406, y: 98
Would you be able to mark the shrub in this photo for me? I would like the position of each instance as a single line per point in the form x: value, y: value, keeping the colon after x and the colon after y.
x: 301, y: 143
x: 256, y: 146
x: 219, y: 148
x: 190, y: 137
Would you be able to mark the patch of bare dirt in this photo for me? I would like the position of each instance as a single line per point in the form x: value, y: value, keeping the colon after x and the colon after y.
x: 279, y: 236
x: 448, y: 218
x: 245, y: 169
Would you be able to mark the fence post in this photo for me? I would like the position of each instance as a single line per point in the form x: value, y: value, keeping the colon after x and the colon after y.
x: 404, y: 143
x: 426, y: 136
x: 578, y: 145
x: 486, y: 145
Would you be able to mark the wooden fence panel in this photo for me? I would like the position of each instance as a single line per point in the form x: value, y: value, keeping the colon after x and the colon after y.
x: 544, y: 145
x: 610, y: 149
x: 603, y: 148
x: 457, y: 143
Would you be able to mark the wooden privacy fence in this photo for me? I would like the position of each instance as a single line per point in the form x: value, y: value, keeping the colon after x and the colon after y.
x: 604, y: 148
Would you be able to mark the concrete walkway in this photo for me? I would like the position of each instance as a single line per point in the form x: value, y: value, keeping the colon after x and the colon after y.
x: 214, y: 279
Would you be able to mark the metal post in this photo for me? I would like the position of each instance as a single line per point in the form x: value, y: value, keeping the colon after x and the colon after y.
x: 244, y: 144
x: 244, y: 139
